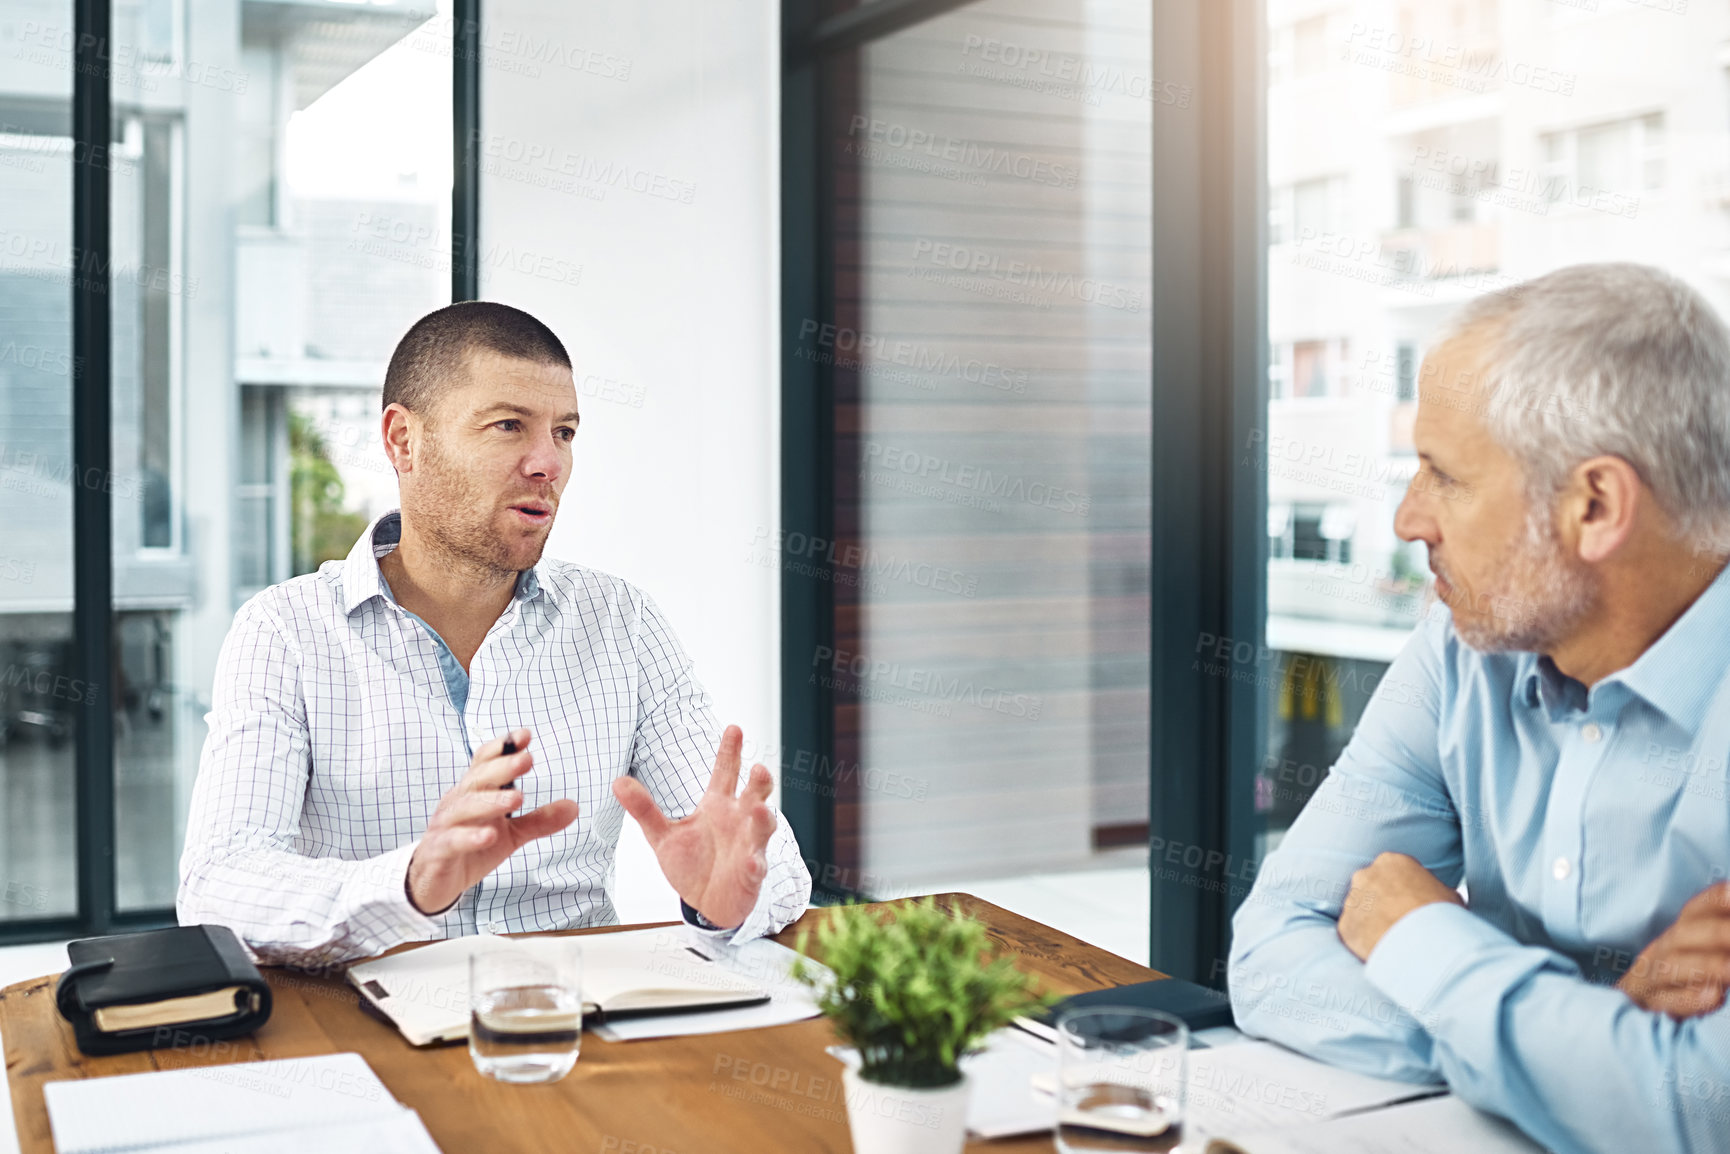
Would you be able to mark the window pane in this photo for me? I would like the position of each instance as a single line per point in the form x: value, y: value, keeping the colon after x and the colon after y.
x: 1483, y: 144
x: 992, y: 367
x: 307, y: 165
x: 39, y: 700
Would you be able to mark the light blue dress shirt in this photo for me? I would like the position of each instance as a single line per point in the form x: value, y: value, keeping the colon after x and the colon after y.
x: 1580, y: 822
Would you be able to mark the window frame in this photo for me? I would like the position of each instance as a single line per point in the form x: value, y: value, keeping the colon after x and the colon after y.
x: 94, y: 639
x: 1209, y: 504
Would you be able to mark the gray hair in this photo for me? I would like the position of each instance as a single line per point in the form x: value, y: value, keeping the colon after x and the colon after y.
x: 1622, y: 360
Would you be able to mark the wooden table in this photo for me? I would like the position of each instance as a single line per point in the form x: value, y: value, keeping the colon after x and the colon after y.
x: 663, y: 1096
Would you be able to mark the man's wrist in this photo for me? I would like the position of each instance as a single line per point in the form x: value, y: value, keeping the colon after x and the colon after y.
x: 1419, y: 954
x: 1398, y: 917
x: 408, y: 891
x: 695, y: 917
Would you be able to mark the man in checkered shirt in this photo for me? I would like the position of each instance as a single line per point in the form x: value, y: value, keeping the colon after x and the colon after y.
x: 442, y: 733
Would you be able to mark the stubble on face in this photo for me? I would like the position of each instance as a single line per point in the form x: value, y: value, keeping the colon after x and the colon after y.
x: 1541, y: 598
x: 454, y: 512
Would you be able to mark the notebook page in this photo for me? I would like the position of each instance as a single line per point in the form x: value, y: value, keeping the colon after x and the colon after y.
x: 661, y: 960
x: 761, y: 962
x: 141, y: 1111
x: 428, y: 987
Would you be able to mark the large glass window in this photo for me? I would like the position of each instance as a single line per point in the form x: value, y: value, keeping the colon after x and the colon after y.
x: 1470, y: 146
x: 39, y: 703
x: 990, y: 357
x: 282, y: 175
x: 280, y: 181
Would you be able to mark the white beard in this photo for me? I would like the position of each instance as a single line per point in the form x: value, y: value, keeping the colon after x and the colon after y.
x: 1543, y: 595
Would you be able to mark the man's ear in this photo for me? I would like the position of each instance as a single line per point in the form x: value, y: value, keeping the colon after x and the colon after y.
x: 399, y: 429
x: 1600, y: 505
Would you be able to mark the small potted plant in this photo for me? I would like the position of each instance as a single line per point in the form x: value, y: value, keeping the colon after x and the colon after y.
x: 914, y: 989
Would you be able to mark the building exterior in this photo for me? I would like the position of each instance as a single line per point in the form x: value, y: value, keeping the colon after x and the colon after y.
x: 242, y: 311
x: 1419, y: 153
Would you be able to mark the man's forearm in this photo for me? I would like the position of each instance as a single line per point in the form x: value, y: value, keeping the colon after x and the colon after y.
x: 292, y: 910
x: 1294, y: 982
x: 1518, y: 1031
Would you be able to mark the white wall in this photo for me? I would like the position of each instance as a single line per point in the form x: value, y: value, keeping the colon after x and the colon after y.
x: 630, y: 200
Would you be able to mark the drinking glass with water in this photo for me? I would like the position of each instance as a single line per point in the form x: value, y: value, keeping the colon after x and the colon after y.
x: 1120, y: 1080
x: 526, y: 1008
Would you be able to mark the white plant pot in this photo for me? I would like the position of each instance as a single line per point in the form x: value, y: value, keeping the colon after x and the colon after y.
x: 903, y: 1120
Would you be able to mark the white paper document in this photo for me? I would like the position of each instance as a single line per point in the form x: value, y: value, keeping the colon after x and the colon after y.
x: 1443, y: 1125
x: 334, y: 1096
x: 400, y: 1133
x: 1233, y: 1089
x: 1260, y: 1085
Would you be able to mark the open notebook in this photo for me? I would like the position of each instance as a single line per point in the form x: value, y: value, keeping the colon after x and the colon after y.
x: 637, y: 973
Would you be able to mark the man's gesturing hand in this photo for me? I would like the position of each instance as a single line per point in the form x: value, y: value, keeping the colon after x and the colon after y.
x: 714, y: 857
x: 1382, y: 893
x: 472, y: 831
x: 1686, y: 970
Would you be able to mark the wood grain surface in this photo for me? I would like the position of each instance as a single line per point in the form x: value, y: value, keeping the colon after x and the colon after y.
x: 746, y: 1092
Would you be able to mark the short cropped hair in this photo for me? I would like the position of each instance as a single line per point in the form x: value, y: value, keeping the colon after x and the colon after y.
x: 1622, y: 360
x: 433, y: 354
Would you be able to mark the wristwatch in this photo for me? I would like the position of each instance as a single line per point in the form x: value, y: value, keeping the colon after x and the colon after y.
x: 697, y: 919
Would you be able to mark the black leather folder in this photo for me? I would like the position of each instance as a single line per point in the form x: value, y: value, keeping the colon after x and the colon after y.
x: 1198, y: 1007
x: 161, y: 988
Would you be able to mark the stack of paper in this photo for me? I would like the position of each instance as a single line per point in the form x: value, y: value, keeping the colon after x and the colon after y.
x: 333, y: 1103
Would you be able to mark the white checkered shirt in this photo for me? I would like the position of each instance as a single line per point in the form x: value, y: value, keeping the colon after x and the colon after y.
x: 333, y: 737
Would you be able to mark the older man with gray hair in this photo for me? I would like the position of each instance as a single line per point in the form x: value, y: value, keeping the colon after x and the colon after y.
x: 1554, y: 736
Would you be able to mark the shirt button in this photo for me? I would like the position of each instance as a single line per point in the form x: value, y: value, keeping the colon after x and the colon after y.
x: 1560, y: 869
x: 493, y: 928
x: 1591, y: 732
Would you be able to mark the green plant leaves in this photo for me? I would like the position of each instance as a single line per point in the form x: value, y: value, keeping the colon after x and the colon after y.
x: 914, y: 988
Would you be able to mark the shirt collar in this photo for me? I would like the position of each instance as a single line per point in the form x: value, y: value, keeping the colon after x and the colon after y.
x: 1677, y: 674
x: 362, y: 581
x: 1550, y: 687
x: 1681, y: 670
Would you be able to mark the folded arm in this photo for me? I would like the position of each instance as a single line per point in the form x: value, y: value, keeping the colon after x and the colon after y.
x: 1580, y: 1067
x: 1445, y: 995
x: 239, y: 867
x: 1291, y: 978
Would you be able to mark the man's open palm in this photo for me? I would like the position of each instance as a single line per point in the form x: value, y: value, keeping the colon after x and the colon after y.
x: 715, y: 857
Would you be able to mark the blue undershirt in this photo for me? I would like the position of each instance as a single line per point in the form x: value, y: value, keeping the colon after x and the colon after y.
x: 456, y: 677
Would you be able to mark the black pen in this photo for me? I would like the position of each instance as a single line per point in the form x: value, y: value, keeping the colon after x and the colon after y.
x: 510, y: 748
